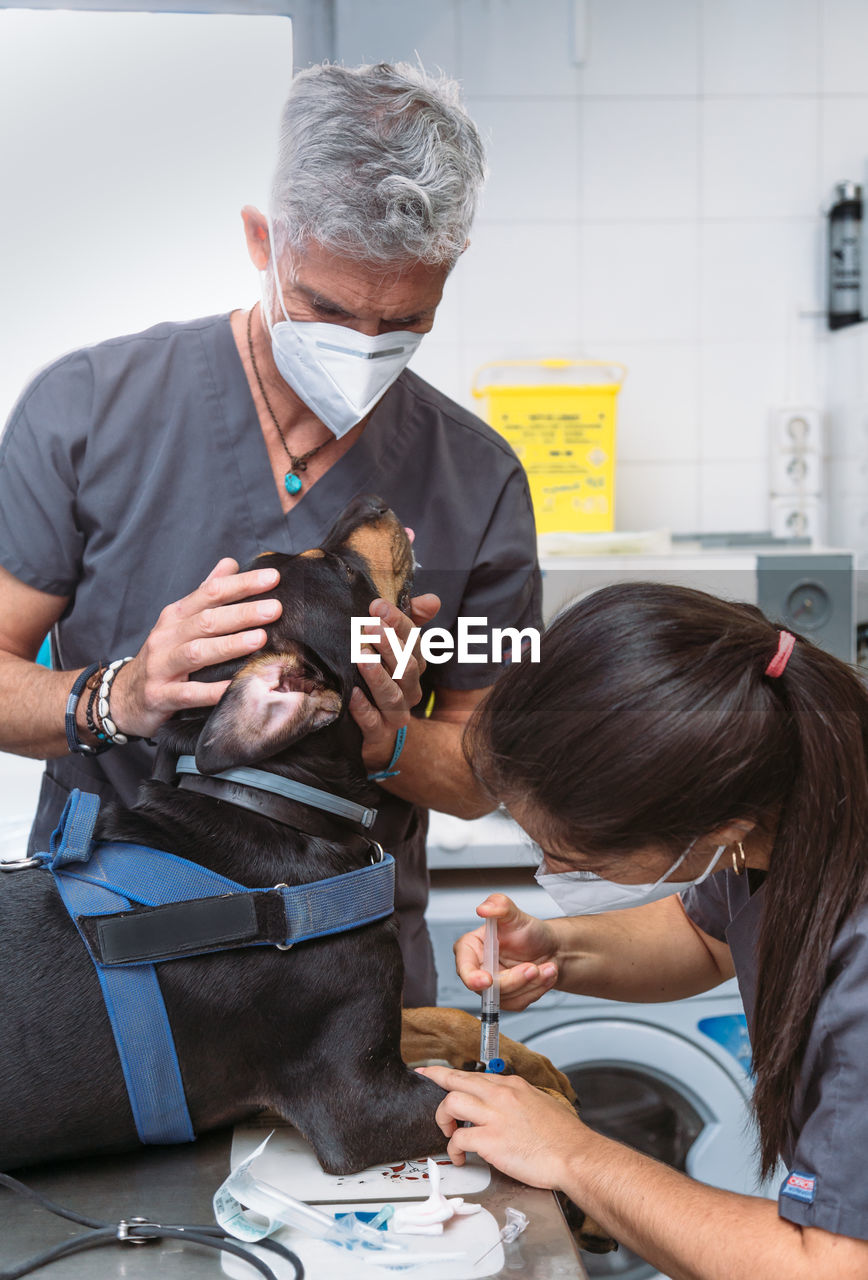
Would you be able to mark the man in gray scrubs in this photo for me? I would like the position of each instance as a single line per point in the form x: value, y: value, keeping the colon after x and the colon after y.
x: 128, y: 468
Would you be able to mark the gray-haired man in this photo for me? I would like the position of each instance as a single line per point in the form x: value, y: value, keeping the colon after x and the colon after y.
x: 126, y: 468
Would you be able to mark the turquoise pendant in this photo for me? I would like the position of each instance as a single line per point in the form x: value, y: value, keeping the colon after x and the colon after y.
x: 292, y: 483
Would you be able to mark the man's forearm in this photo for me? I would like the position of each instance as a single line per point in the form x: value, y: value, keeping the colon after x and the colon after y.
x: 434, y: 772
x: 33, y: 708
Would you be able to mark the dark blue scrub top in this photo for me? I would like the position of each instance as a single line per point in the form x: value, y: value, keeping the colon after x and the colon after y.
x: 827, y: 1177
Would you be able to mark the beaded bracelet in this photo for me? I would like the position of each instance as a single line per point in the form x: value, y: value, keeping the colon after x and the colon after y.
x: 390, y: 771
x: 90, y: 717
x: 72, y: 739
x: 103, y: 709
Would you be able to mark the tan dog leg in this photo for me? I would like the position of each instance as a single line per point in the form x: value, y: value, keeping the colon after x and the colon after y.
x: 452, y: 1036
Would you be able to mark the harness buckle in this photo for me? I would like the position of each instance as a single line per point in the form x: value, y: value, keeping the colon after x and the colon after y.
x: 129, y: 1229
x: 19, y: 864
x: 380, y: 852
x: 283, y: 946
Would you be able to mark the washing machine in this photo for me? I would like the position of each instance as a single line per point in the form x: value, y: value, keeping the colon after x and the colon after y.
x: 672, y: 1080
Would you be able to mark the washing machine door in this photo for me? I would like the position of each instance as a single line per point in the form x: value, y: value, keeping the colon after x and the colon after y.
x: 654, y: 1090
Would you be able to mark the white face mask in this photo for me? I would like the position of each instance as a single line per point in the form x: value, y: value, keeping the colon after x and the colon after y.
x: 338, y: 372
x: 581, y: 893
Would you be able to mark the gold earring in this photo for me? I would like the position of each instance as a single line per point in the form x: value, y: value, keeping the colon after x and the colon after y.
x: 738, y: 868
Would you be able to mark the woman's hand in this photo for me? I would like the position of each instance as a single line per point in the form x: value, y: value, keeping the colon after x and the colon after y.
x: 209, y: 626
x: 381, y: 719
x: 528, y: 954
x: 522, y: 1131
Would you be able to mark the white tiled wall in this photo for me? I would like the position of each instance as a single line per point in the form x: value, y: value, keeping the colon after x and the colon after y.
x: 19, y: 790
x: 659, y: 202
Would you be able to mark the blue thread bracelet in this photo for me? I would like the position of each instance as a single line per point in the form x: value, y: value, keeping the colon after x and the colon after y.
x: 73, y: 741
x: 390, y: 771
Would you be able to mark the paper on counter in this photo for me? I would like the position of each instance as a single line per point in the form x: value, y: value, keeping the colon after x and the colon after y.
x: 290, y: 1164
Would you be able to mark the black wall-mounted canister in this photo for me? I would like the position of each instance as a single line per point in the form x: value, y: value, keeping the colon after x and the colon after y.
x: 845, y: 268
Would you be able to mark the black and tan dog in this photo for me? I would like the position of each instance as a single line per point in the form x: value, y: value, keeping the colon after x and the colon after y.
x: 313, y: 1032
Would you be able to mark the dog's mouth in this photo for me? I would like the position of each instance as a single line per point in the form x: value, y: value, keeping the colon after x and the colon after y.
x: 288, y: 690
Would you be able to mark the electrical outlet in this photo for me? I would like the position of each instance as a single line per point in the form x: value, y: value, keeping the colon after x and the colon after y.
x: 797, y: 473
x: 797, y: 430
x: 796, y: 517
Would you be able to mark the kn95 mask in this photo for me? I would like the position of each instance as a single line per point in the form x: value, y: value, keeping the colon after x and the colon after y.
x: 336, y: 371
x: 581, y: 893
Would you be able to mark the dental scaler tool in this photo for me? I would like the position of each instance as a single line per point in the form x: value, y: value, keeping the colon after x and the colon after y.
x: 489, y: 1040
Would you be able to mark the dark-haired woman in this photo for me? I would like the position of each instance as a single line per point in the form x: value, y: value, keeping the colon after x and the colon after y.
x: 711, y: 772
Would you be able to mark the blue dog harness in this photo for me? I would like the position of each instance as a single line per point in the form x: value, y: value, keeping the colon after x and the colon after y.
x: 134, y: 906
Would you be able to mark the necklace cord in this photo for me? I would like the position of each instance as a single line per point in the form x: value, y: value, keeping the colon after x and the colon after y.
x: 292, y: 481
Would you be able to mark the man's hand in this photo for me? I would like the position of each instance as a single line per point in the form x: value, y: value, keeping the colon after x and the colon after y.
x: 206, y: 627
x: 380, y: 721
x: 528, y: 954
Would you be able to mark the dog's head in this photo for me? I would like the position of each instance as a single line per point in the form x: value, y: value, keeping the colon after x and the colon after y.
x: 302, y: 679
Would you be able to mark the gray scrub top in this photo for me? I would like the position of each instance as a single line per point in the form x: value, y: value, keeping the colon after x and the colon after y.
x: 129, y: 468
x: 827, y: 1177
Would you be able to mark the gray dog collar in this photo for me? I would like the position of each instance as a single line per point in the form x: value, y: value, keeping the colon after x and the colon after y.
x: 290, y: 790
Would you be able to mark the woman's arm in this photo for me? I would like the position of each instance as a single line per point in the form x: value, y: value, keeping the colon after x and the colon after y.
x: 686, y: 1229
x: 648, y: 953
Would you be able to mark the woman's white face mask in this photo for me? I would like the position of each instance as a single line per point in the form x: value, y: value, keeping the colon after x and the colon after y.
x: 336, y: 371
x: 581, y: 893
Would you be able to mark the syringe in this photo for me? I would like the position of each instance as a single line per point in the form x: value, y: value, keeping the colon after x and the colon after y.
x: 489, y: 1040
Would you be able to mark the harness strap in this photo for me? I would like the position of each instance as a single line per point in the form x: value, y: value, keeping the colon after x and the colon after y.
x: 134, y: 906
x: 133, y: 999
x: 282, y: 916
x: 71, y: 840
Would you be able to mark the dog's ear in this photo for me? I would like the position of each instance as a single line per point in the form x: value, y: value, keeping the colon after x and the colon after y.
x: 274, y: 700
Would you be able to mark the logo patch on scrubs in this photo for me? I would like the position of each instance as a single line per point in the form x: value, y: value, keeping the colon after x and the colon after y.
x: 800, y: 1186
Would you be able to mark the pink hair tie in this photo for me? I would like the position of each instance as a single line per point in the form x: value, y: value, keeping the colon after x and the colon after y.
x: 782, y: 657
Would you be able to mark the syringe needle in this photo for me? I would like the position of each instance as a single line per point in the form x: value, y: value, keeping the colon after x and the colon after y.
x: 487, y: 1252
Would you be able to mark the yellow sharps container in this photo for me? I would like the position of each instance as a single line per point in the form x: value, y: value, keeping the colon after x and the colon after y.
x: 559, y: 417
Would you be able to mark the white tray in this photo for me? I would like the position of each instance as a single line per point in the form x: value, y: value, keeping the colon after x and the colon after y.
x: 289, y: 1163
x: 474, y: 1236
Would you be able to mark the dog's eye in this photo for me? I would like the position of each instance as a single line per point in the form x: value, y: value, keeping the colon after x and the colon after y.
x: 347, y: 568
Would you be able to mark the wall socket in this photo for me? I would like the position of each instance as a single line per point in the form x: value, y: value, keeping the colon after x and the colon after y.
x: 797, y: 430
x: 797, y: 473
x: 797, y: 517
x: 796, y: 488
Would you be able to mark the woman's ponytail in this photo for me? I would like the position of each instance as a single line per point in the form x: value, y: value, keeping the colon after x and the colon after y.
x: 818, y: 875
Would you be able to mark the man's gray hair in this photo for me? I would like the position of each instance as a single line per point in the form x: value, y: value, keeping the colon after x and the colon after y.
x: 378, y: 163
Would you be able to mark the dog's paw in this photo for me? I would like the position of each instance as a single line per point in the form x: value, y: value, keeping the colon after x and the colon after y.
x: 587, y: 1233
